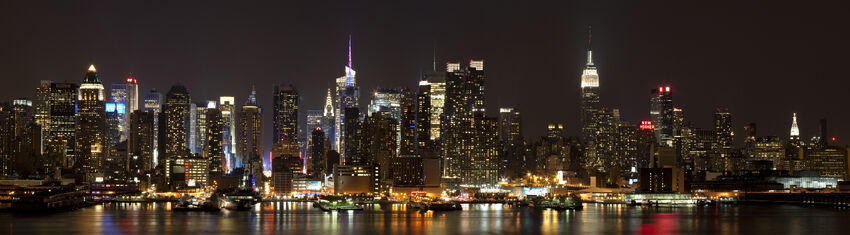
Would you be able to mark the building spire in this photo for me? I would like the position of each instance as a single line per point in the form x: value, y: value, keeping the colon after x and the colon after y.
x: 589, y: 46
x: 252, y: 99
x: 349, y: 71
x: 795, y: 130
x: 329, y: 110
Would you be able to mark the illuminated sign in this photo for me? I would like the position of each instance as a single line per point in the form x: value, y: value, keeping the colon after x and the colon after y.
x: 646, y: 125
x: 314, y: 185
x: 534, y: 191
x: 110, y: 107
x: 120, y: 108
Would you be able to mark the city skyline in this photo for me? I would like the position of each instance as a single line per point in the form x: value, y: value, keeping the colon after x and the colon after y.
x: 730, y: 63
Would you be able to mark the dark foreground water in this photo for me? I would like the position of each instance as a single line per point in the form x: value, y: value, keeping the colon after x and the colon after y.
x: 302, y: 218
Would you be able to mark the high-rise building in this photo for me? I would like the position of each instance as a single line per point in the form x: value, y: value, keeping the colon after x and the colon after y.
x: 116, y: 164
x: 250, y: 137
x: 512, y: 150
x: 318, y: 148
x: 661, y: 113
x: 61, y: 132
x: 214, y: 140
x: 347, y: 96
x: 132, y: 93
x: 407, y: 142
x: 173, y: 124
x: 91, y: 146
x: 423, y: 116
x: 386, y: 101
x: 227, y: 106
x: 42, y: 104
x: 795, y: 130
x: 723, y: 128
x: 119, y: 98
x: 153, y: 103
x: 437, y: 85
x: 329, y: 122
x: 591, y: 111
x: 464, y: 97
x: 140, y: 146
x: 115, y: 115
x: 285, y: 113
x: 199, y: 126
x: 314, y: 119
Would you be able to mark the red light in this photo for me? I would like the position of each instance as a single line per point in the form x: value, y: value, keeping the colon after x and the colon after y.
x: 660, y: 89
x: 667, y: 88
x: 833, y: 139
x: 646, y: 125
x: 129, y: 80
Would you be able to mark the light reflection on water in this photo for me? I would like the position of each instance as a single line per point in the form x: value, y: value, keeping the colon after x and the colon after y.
x: 301, y: 218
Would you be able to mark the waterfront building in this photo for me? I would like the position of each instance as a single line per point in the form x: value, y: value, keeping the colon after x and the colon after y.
x: 173, y: 124
x: 214, y: 140
x: 464, y: 96
x: 723, y: 128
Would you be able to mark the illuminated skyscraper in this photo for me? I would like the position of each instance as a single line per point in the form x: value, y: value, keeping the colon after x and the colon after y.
x: 126, y: 98
x: 460, y: 132
x: 347, y: 96
x: 723, y: 128
x: 214, y: 140
x: 437, y: 92
x: 42, y: 104
x: 250, y: 137
x: 318, y: 148
x: 423, y: 116
x: 591, y: 110
x: 113, y: 123
x: 61, y: 132
x: 512, y: 151
x: 91, y: 126
x: 141, y: 143
x: 795, y: 130
x: 153, y: 103
x: 314, y: 119
x: 227, y: 106
x: 329, y: 122
x: 407, y: 123
x: 661, y: 113
x: 285, y: 113
x: 174, y: 123
x: 199, y: 127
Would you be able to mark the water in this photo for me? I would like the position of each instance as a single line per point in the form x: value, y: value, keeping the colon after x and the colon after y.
x: 302, y: 218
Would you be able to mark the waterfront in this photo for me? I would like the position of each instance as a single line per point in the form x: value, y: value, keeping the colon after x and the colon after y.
x: 302, y: 218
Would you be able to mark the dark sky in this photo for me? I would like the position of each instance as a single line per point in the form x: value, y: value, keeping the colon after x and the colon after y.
x: 761, y: 60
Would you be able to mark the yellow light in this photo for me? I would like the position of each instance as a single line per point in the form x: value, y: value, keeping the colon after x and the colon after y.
x: 91, y: 68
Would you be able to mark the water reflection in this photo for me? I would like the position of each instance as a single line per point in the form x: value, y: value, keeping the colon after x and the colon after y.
x: 301, y: 218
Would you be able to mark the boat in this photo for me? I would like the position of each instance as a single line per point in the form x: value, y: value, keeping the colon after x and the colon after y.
x: 442, y: 206
x: 239, y: 199
x: 331, y: 203
x: 50, y: 200
x: 193, y: 204
x: 571, y: 202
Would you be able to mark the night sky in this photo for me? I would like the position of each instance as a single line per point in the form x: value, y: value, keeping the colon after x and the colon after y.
x: 762, y: 61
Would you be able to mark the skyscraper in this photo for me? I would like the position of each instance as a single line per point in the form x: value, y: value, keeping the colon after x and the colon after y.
x: 118, y: 97
x: 661, y: 113
x: 318, y: 149
x: 91, y: 126
x: 723, y: 128
x: 173, y: 124
x: 227, y: 106
x: 329, y: 122
x: 132, y: 93
x: 199, y: 126
x: 250, y: 137
x: 214, y: 140
x: 512, y: 149
x: 61, y: 132
x: 285, y: 113
x: 42, y: 104
x: 314, y: 119
x: 407, y: 141
x: 347, y: 96
x: 437, y: 97
x: 141, y: 143
x: 153, y: 103
x: 423, y: 116
x: 591, y: 109
x: 795, y: 130
x: 464, y: 97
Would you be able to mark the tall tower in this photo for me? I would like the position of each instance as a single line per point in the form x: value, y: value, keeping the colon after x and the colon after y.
x: 250, y: 137
x: 423, y: 116
x: 153, y: 103
x: 347, y: 96
x: 140, y: 143
x: 214, y: 140
x: 591, y: 110
x: 795, y: 130
x: 91, y: 126
x: 285, y: 113
x: 329, y: 122
x: 464, y: 105
x: 227, y: 105
x: 132, y: 93
x: 173, y: 124
x: 661, y: 113
x: 61, y: 130
x: 723, y: 128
